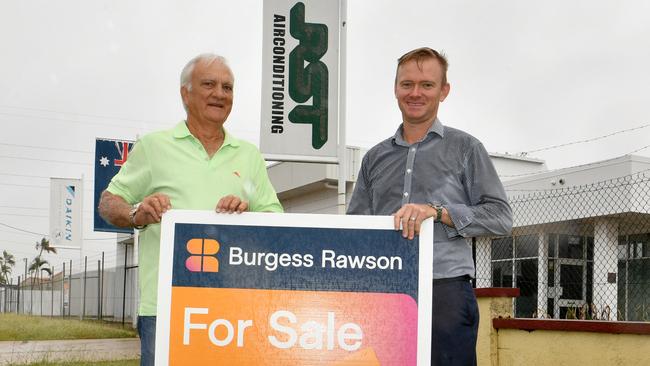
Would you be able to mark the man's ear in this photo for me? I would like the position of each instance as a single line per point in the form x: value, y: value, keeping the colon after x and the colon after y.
x: 184, y: 94
x: 445, y: 91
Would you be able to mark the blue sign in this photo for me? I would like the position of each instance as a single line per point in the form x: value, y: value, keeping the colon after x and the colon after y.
x: 110, y: 155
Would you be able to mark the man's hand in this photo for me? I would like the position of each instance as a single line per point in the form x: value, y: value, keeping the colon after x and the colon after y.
x: 115, y: 210
x: 231, y: 204
x: 152, y: 208
x: 409, y: 218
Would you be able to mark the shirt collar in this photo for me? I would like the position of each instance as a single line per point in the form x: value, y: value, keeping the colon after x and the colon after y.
x: 181, y: 131
x: 436, y: 127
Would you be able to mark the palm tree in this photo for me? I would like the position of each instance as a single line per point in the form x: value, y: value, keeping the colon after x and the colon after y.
x: 5, y: 270
x: 39, y: 266
x: 7, y: 261
x: 44, y: 245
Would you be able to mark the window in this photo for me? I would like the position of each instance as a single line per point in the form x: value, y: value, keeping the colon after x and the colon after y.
x: 517, y: 254
x: 634, y: 276
x: 502, y: 274
x: 526, y: 303
x: 526, y: 246
x: 502, y: 248
x: 571, y: 246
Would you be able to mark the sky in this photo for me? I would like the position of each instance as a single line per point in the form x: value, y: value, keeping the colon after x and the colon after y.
x: 524, y: 76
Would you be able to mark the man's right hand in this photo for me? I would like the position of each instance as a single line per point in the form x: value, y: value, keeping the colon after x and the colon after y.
x: 151, y: 209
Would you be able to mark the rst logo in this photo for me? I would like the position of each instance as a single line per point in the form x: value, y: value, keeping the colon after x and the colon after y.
x: 308, y: 75
x: 203, y: 255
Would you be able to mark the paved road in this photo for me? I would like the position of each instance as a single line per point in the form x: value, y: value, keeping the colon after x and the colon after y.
x: 21, y: 352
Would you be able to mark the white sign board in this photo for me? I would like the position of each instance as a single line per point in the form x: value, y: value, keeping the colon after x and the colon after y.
x: 292, y: 289
x: 300, y: 80
x: 66, y: 203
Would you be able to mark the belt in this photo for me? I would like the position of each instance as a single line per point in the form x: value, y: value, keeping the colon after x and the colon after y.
x: 463, y: 278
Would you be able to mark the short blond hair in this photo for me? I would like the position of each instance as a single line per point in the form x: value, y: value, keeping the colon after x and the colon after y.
x: 424, y: 53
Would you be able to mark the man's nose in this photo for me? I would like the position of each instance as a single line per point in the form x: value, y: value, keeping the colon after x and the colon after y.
x: 219, y: 92
x: 416, y: 91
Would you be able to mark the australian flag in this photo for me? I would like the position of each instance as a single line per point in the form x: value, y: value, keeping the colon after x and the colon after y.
x: 110, y: 155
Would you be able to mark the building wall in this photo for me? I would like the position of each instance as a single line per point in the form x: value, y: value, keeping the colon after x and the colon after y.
x: 312, y: 187
x: 579, y: 175
x: 509, y: 346
x: 544, y: 347
x: 510, y: 167
x: 319, y: 201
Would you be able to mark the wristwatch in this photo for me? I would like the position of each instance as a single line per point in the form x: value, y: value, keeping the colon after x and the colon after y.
x: 132, y: 214
x: 438, y: 215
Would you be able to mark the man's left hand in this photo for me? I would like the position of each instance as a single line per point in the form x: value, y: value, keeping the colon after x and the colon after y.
x: 409, y: 218
x: 231, y: 204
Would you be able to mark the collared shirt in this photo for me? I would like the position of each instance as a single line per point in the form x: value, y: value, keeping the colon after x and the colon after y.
x: 175, y: 163
x: 447, y: 167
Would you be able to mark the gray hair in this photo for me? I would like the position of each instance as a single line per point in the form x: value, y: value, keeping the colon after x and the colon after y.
x: 186, y: 74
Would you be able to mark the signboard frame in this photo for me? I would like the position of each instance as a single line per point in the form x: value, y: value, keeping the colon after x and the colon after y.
x: 295, y: 96
x: 66, y: 212
x: 173, y: 218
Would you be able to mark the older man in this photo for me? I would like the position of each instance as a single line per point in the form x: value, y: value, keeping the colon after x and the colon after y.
x: 195, y: 165
x: 430, y: 170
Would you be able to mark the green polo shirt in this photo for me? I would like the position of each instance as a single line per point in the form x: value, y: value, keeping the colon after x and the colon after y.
x: 175, y: 163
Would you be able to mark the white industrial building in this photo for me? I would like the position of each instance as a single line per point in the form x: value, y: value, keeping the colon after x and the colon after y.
x: 569, y: 251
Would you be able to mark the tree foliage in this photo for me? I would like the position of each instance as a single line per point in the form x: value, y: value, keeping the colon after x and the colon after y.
x: 7, y: 262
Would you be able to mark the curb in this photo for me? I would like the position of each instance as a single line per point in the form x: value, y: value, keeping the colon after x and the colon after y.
x: 24, y: 352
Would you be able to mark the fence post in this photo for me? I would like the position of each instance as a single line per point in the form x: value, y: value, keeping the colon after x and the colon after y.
x: 17, y: 292
x: 31, y: 295
x: 83, y: 298
x: 63, y: 292
x: 70, y: 291
x: 101, y: 303
x: 18, y: 299
x: 126, y: 251
x: 11, y: 297
x: 52, y: 292
x: 99, y: 289
x: 25, y: 280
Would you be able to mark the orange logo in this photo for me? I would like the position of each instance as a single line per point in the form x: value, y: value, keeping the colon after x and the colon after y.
x: 203, y: 257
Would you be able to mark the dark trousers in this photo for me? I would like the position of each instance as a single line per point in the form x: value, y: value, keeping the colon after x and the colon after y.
x: 454, y: 323
x: 147, y: 332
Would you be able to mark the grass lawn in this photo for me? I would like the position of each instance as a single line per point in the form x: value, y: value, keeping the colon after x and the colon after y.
x: 105, y: 363
x: 31, y: 328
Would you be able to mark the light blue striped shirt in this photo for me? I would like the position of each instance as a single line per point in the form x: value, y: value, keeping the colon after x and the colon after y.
x: 448, y: 167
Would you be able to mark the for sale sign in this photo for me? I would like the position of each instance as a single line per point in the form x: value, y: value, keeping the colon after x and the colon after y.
x: 292, y: 289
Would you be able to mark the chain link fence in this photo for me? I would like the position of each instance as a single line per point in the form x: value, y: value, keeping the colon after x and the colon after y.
x: 576, y: 253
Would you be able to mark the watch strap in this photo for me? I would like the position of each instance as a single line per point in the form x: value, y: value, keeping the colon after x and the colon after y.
x: 438, y: 215
x: 132, y: 213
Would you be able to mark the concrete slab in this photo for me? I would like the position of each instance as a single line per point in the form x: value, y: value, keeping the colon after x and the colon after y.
x: 24, y: 352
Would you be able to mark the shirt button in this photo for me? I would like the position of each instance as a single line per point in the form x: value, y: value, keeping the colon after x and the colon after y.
x: 406, y: 194
x: 408, y: 171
